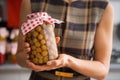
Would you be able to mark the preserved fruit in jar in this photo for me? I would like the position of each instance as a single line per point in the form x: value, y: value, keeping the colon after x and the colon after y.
x: 39, y: 32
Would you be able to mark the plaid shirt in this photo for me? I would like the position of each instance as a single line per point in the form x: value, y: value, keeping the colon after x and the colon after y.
x: 81, y: 19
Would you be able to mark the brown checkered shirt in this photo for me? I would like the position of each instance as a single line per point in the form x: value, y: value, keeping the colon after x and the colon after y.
x: 81, y: 19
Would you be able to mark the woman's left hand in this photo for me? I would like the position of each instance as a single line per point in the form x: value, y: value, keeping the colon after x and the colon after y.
x: 62, y: 61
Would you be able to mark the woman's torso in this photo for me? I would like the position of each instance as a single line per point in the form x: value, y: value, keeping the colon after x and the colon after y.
x: 81, y: 19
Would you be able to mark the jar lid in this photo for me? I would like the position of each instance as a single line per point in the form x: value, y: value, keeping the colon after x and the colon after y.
x: 35, y: 19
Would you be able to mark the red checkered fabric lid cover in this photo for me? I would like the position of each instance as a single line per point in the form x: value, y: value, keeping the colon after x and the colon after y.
x: 35, y: 19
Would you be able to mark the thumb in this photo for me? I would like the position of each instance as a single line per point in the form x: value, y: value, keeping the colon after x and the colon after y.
x: 57, y: 39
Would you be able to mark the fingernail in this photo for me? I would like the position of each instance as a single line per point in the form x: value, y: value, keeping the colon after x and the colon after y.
x: 49, y: 63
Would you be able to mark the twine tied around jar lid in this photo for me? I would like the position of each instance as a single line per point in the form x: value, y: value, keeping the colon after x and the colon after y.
x: 35, y: 19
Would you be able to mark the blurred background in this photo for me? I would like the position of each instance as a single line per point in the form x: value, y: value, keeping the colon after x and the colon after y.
x: 9, y: 23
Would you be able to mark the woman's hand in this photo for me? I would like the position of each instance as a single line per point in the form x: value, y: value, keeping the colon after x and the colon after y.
x: 62, y: 61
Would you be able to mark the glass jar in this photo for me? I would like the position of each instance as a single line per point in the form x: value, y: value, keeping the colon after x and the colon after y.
x: 42, y: 43
x: 39, y: 32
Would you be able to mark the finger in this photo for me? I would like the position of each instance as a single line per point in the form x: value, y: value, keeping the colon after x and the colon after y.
x: 27, y: 56
x: 57, y: 39
x: 27, y: 50
x: 26, y: 45
x: 23, y: 38
x: 60, y: 62
x: 54, y: 63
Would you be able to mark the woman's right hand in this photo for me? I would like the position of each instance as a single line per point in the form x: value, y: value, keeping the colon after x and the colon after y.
x: 22, y: 53
x: 26, y: 47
